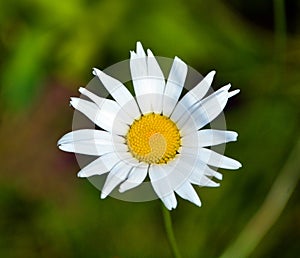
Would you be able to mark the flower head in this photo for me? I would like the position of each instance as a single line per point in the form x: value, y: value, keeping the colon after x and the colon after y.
x: 154, y: 132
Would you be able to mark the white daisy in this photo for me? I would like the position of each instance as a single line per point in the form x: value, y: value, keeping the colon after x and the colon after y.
x: 153, y: 133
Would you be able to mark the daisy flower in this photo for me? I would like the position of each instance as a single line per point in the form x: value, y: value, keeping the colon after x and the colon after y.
x: 154, y: 133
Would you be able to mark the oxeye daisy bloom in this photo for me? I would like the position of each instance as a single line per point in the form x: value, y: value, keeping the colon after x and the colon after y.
x: 154, y: 132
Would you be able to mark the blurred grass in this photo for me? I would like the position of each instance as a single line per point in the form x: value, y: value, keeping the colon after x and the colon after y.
x: 47, y: 51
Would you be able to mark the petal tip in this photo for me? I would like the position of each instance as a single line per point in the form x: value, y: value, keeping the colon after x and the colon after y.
x: 122, y: 189
x: 138, y: 44
x: 149, y: 53
x: 227, y: 87
x: 81, y: 89
x: 96, y: 71
x: 234, y: 136
x: 132, y: 54
x: 103, y: 195
x: 139, y: 49
x: 60, y: 141
x: 237, y: 164
x: 233, y: 93
x: 81, y: 174
x: 219, y: 176
x: 73, y: 102
x: 209, y: 77
x: 199, y: 204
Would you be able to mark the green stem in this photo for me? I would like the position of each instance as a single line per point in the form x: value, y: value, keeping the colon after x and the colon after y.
x: 170, y: 233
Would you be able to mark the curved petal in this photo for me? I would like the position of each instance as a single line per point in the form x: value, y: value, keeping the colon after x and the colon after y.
x: 213, y: 158
x: 180, y: 169
x: 170, y: 201
x: 98, y: 136
x: 100, y: 166
x: 205, y: 111
x: 208, y: 137
x: 217, y: 160
x: 233, y: 93
x: 174, y: 85
x: 92, y: 142
x: 148, y: 80
x: 90, y: 147
x: 189, y: 122
x: 159, y: 180
x: 200, y: 171
x: 106, y: 119
x: 202, y: 181
x: 120, y: 93
x: 136, y: 176
x: 211, y: 137
x: 187, y: 192
x: 89, y: 109
x: 212, y: 173
x: 117, y: 175
x: 193, y: 96
x: 108, y: 106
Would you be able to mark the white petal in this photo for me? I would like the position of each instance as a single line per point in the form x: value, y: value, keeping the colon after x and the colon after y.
x: 189, y: 122
x: 126, y: 156
x: 194, y: 171
x: 120, y: 93
x: 117, y: 175
x: 108, y: 106
x: 233, y: 93
x: 208, y: 137
x: 98, y: 136
x: 170, y: 201
x: 136, y: 176
x: 157, y: 82
x: 193, y: 96
x: 217, y: 160
x: 106, y: 119
x: 202, y: 181
x: 180, y: 169
x: 174, y: 85
x: 200, y: 170
x: 148, y: 80
x: 190, y: 140
x: 89, y: 109
x: 140, y: 50
x: 212, y: 173
x: 100, y: 166
x: 205, y: 111
x: 96, y: 99
x: 92, y: 142
x: 159, y: 179
x: 186, y: 191
x: 92, y: 148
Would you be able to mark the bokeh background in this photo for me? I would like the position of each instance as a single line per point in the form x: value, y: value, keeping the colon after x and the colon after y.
x: 47, y: 51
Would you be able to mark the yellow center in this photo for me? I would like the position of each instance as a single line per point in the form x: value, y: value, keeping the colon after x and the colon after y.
x: 153, y: 138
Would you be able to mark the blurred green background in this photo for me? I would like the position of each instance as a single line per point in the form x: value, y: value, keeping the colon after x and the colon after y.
x: 47, y: 51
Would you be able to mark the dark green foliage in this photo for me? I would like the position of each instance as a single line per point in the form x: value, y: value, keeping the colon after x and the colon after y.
x: 47, y: 51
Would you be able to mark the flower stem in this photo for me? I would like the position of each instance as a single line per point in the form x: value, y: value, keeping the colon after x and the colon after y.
x: 170, y: 233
